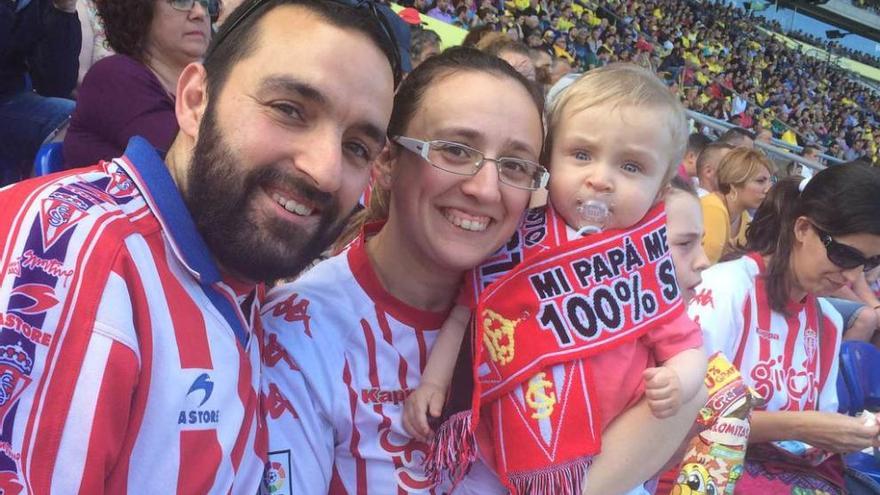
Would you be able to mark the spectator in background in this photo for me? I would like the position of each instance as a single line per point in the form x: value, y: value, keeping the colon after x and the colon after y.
x: 94, y: 41
x: 39, y: 50
x: 424, y: 44
x: 802, y: 243
x: 443, y: 11
x: 132, y: 93
x: 764, y: 135
x: 737, y: 136
x: 697, y: 142
x: 743, y: 181
x: 707, y: 165
x: 514, y: 53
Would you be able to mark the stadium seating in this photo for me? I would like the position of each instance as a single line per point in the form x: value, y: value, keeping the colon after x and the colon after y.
x: 49, y: 159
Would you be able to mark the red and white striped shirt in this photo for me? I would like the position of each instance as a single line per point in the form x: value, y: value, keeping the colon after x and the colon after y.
x: 790, y: 361
x: 127, y: 364
x: 341, y: 355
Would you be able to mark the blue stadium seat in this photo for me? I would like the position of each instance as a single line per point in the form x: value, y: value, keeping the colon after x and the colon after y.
x: 49, y: 160
x: 858, y: 388
x: 844, y: 401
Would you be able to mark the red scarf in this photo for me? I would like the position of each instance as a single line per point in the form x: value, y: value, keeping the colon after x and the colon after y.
x: 569, y: 301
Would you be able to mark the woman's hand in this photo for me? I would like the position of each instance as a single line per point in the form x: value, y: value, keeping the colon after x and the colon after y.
x: 837, y: 432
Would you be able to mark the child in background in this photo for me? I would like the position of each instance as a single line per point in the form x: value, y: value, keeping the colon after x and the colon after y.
x: 616, y: 137
x: 684, y: 226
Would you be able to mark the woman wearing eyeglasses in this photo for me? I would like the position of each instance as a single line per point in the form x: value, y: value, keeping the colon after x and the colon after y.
x: 132, y: 93
x: 762, y: 312
x: 348, y: 341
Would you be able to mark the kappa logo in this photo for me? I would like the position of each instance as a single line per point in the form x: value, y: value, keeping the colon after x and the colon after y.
x: 56, y: 218
x: 379, y: 396
x: 32, y: 299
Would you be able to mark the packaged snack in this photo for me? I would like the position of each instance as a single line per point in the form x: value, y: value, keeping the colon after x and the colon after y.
x: 713, y: 463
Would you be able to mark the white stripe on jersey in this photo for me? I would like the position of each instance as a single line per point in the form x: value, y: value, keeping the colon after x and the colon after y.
x: 85, y: 396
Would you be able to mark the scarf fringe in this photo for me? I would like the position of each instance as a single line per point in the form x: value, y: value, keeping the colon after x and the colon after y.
x: 565, y: 479
x: 452, y: 450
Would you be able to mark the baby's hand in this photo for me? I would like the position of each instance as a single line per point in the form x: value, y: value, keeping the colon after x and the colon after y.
x: 427, y: 398
x: 663, y: 391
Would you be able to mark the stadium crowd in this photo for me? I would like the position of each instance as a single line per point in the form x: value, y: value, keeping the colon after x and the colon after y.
x: 165, y: 328
x: 725, y: 61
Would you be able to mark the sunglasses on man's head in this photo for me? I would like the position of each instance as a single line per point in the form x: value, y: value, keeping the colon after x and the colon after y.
x: 381, y: 17
x: 843, y: 256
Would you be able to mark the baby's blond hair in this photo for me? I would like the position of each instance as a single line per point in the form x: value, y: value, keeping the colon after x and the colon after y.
x: 622, y: 84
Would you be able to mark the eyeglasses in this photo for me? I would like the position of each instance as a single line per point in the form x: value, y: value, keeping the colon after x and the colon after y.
x: 460, y: 159
x: 381, y: 15
x: 212, y: 7
x: 843, y: 256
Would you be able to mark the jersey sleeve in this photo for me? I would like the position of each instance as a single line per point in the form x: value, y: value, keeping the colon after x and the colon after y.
x: 299, y: 389
x: 77, y: 426
x: 717, y: 308
x: 674, y: 337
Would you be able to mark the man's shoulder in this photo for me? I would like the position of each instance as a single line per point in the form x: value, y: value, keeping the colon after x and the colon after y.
x: 96, y: 206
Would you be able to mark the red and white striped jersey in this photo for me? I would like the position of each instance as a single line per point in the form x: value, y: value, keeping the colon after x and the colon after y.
x: 341, y: 355
x: 127, y: 364
x: 791, y: 362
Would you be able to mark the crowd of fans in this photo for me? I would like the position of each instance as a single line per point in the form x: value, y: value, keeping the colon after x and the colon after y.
x: 718, y: 56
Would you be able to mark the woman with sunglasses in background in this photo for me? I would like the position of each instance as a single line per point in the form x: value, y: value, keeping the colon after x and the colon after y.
x: 132, y: 93
x: 762, y: 312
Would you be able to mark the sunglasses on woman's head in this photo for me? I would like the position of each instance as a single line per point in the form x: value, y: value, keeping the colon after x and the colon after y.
x: 843, y: 256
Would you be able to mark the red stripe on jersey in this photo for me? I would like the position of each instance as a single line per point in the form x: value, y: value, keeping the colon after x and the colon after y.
x: 370, y: 339
x: 125, y: 268
x: 745, y: 332
x: 403, y: 367
x: 336, y: 486
x: 55, y: 391
x: 201, y: 454
x: 361, y: 464
x: 189, y: 324
x: 111, y: 417
x: 401, y: 375
x: 423, y: 352
x: 249, y: 400
x: 794, y: 330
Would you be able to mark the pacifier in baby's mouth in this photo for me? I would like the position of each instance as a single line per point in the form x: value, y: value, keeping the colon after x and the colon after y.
x: 594, y: 214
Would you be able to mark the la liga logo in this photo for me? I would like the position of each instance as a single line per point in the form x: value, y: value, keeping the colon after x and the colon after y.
x: 276, y: 477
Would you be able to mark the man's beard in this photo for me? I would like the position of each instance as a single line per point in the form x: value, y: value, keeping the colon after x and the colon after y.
x: 221, y: 194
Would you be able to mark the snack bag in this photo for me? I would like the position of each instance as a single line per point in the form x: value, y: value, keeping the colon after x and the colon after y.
x: 714, y: 460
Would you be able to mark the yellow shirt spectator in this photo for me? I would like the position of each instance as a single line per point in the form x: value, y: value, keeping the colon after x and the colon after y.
x: 789, y: 137
x: 564, y: 25
x: 717, y: 240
